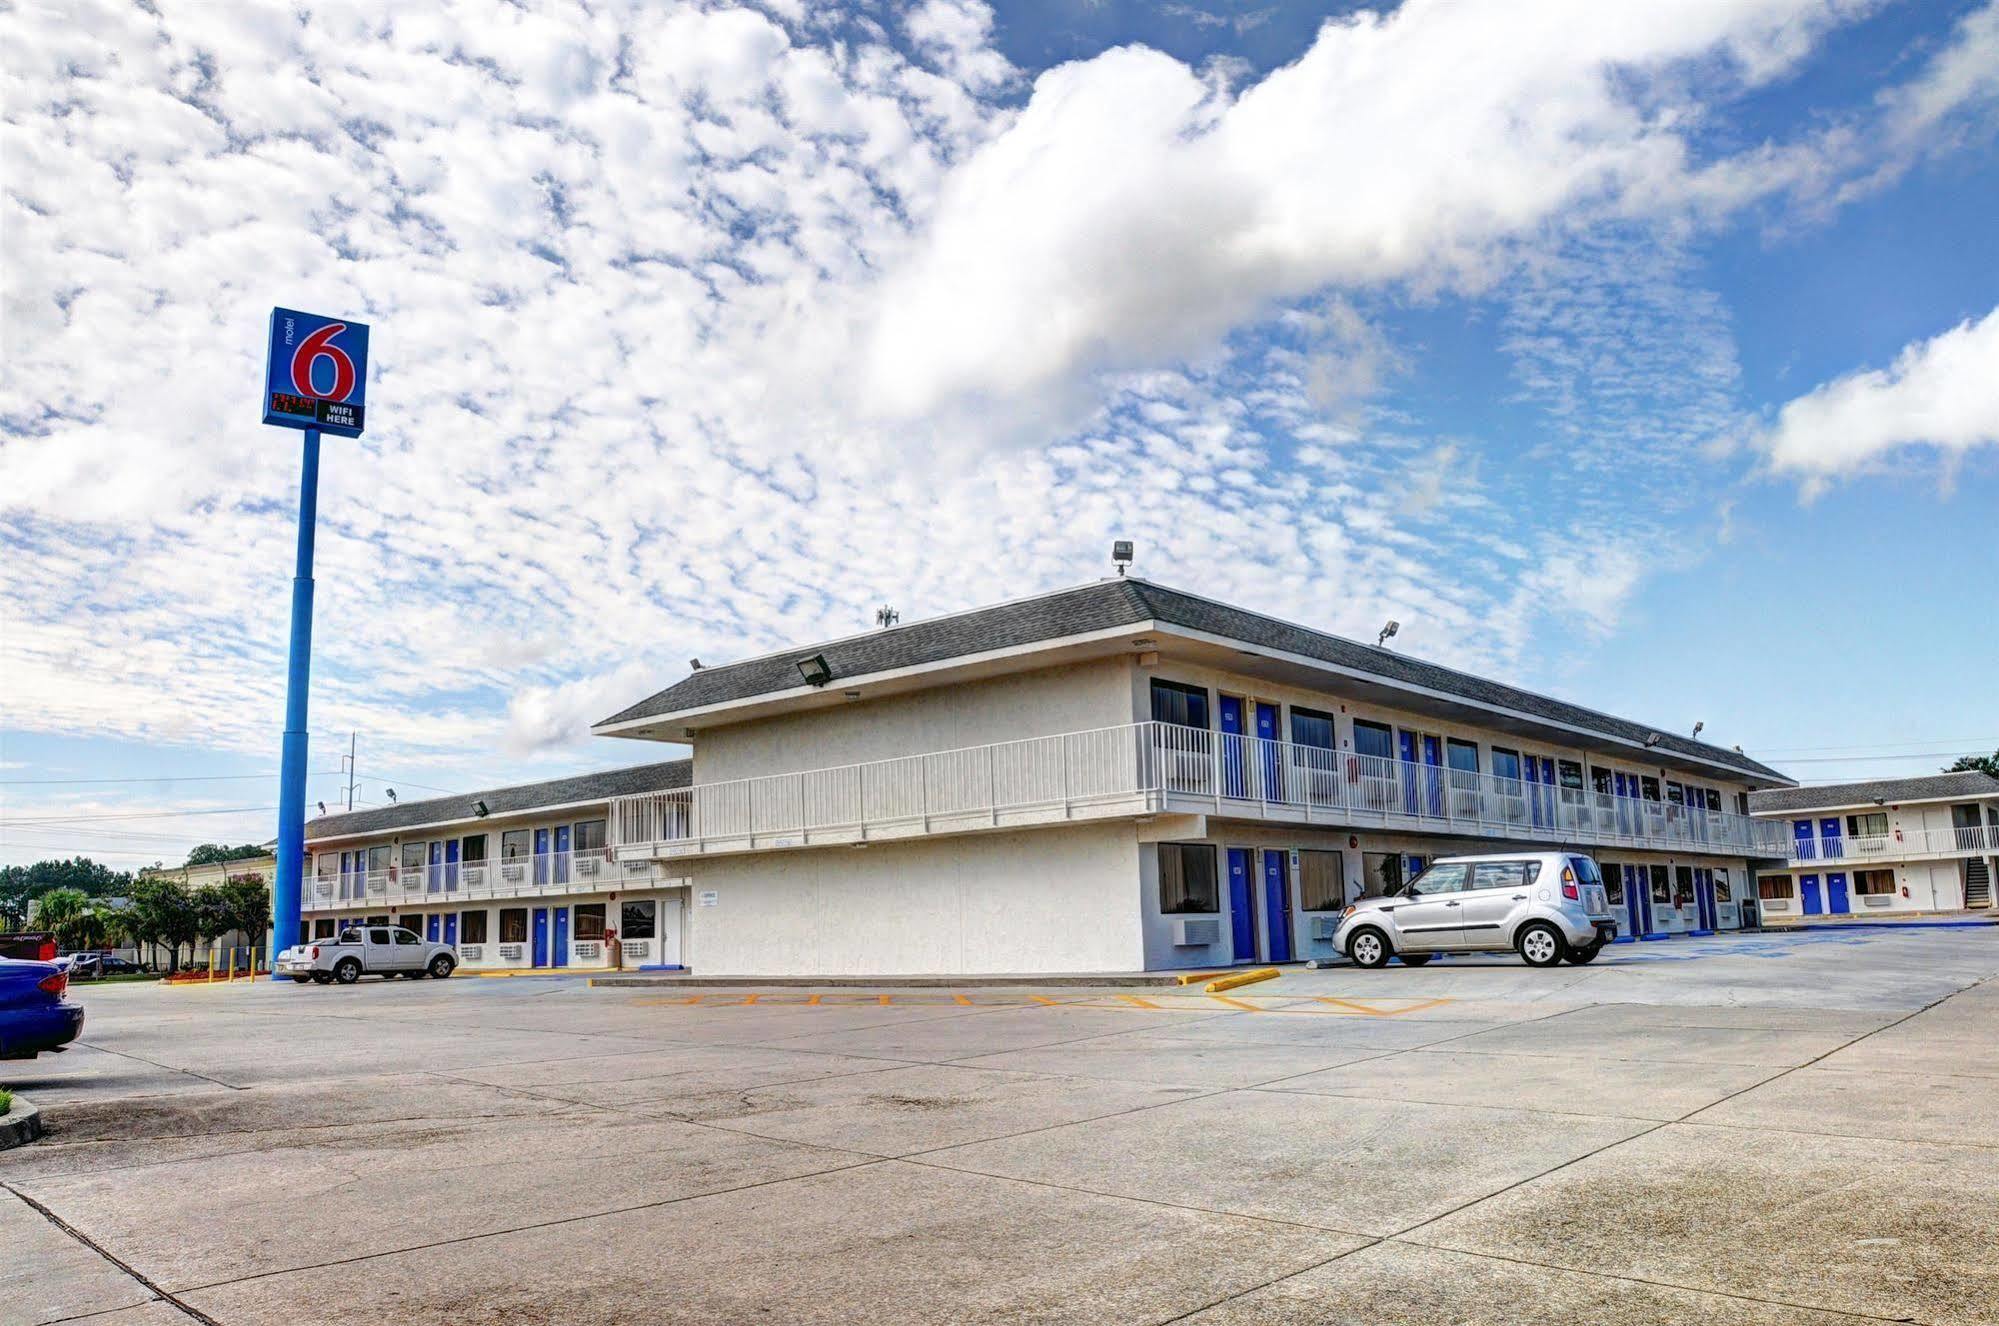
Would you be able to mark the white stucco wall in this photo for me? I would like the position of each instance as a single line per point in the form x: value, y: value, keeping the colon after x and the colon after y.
x: 1043, y: 900
x: 1077, y: 698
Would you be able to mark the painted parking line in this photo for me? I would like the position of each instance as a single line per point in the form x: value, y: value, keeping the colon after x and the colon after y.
x: 1320, y: 1005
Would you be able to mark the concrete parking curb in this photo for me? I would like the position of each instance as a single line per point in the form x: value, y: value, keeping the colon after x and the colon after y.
x: 688, y: 981
x: 20, y: 1125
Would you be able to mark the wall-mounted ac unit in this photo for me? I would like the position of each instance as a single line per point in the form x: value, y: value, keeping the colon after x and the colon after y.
x: 471, y: 952
x: 1876, y: 900
x: 512, y: 872
x: 588, y: 952
x: 1324, y: 927
x: 586, y: 865
x: 1194, y: 931
x: 511, y: 952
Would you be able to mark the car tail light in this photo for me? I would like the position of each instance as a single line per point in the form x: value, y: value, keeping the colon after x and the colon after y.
x: 54, y: 984
x: 315, y: 950
x: 47, y: 951
x: 1571, y: 892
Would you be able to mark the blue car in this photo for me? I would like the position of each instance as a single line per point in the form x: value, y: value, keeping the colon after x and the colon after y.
x: 35, y: 1011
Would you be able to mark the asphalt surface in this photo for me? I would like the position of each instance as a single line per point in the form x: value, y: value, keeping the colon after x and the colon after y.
x: 1783, y: 1129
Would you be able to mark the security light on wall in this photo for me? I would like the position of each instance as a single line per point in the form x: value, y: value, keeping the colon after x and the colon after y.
x: 1652, y: 739
x: 1387, y: 632
x: 479, y: 809
x: 1121, y: 554
x: 815, y: 670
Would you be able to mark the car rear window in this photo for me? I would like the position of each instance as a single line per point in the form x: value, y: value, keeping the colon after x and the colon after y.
x: 1585, y: 869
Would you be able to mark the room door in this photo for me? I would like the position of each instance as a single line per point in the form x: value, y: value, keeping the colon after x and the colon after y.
x: 1277, y: 904
x: 1242, y: 904
x: 1234, y: 778
x: 540, y: 957
x: 560, y: 954
x: 1835, y: 893
x: 1808, y: 889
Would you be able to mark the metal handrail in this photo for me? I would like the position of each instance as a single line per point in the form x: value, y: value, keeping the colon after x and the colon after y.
x: 1968, y: 840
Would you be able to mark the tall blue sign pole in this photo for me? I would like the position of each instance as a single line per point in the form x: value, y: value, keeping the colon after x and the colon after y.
x: 315, y: 379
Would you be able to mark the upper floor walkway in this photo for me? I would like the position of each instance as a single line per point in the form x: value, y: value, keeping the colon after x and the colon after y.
x: 1155, y: 768
x: 1863, y: 850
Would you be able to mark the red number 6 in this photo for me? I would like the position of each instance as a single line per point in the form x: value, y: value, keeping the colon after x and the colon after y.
x: 319, y: 344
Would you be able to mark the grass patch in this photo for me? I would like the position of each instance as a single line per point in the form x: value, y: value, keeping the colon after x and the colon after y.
x: 6, y: 1100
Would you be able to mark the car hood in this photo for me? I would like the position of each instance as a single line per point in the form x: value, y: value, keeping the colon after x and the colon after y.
x: 1372, y: 904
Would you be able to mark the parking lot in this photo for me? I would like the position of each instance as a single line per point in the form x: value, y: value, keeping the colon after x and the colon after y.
x: 1783, y: 1129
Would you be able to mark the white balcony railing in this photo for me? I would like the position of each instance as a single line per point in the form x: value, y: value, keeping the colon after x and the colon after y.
x: 1146, y: 768
x: 1903, y: 845
x: 538, y: 875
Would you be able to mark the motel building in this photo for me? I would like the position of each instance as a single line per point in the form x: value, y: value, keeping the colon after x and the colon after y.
x: 1114, y: 777
x: 515, y: 877
x: 1877, y: 848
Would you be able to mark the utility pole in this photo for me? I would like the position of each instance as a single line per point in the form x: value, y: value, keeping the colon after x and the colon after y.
x: 352, y: 739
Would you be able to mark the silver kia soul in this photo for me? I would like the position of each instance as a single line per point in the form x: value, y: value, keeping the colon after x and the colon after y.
x: 1547, y: 906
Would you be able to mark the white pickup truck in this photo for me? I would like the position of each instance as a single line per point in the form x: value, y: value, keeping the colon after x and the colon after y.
x: 367, y: 950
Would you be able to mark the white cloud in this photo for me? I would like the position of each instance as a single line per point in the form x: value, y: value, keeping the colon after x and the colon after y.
x: 1941, y: 393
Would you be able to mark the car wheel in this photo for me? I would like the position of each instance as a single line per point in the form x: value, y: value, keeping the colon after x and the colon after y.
x: 1416, y: 959
x: 322, y: 978
x: 1369, y: 948
x: 347, y: 971
x: 1579, y: 956
x: 301, y: 980
x: 1541, y: 945
x: 440, y: 966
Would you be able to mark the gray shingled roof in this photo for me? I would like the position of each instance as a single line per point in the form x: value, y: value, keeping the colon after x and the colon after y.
x: 1108, y: 604
x: 1893, y: 791
x: 600, y: 786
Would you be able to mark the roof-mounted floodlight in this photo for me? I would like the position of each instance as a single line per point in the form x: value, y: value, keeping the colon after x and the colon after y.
x: 1121, y: 554
x: 479, y: 809
x: 1698, y: 727
x: 815, y: 670
x: 1387, y: 632
x: 1652, y: 739
x: 390, y: 792
x: 694, y: 665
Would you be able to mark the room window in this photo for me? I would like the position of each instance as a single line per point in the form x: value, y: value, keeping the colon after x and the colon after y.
x: 413, y: 858
x: 514, y: 845
x: 1186, y: 706
x: 1613, y: 883
x: 1649, y: 789
x: 1675, y: 794
x: 1312, y: 728
x: 1506, y: 764
x: 513, y: 925
x: 1375, y: 739
x: 590, y: 836
x: 378, y: 859
x: 1872, y: 824
x: 471, y: 927
x: 1461, y: 756
x: 1723, y: 891
x: 1662, y: 887
x: 635, y: 919
x: 1186, y: 878
x: 1773, y: 888
x: 1874, y: 881
x: 1322, y: 881
x: 1600, y: 781
x: 323, y: 928
x: 474, y: 849
x: 1570, y: 774
x: 1381, y: 874
x: 590, y: 920
x: 1713, y: 800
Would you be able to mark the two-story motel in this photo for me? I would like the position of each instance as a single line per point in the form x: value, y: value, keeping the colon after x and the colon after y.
x: 1122, y: 776
x: 516, y: 877
x: 1892, y: 845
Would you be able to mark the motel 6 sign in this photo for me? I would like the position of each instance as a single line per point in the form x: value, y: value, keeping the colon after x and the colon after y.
x: 316, y: 374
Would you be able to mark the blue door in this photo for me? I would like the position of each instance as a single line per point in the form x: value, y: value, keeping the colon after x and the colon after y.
x: 451, y: 866
x: 1808, y: 886
x: 1704, y: 901
x: 1277, y: 904
x: 430, y: 928
x: 1405, y: 747
x: 561, y: 937
x: 1273, y: 754
x: 435, y: 878
x: 540, y: 858
x: 541, y: 936
x: 451, y: 928
x: 1801, y: 840
x: 1242, y: 903
x: 562, y: 855
x: 1234, y: 781
x: 1835, y: 893
x: 1433, y: 775
x: 1829, y: 839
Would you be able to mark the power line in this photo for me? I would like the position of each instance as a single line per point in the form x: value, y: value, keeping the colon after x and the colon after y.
x: 1875, y: 759
x: 138, y: 815
x: 174, y: 778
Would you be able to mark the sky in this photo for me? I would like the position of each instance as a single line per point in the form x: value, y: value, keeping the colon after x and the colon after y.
x: 1642, y: 354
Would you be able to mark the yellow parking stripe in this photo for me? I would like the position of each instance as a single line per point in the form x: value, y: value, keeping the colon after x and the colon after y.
x: 1241, y: 978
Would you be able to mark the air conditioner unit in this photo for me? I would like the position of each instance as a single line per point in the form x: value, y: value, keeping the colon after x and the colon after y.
x: 586, y: 865
x: 588, y: 952
x: 512, y: 872
x: 1876, y: 900
x: 471, y: 952
x: 1324, y: 927
x: 1191, y: 932
x: 512, y: 952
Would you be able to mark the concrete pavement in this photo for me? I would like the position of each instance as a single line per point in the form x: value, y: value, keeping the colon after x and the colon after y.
x: 1785, y: 1129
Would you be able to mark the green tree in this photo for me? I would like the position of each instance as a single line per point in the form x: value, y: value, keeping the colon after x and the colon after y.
x: 1977, y: 763
x: 58, y: 908
x: 215, y: 853
x: 163, y: 912
x: 20, y: 885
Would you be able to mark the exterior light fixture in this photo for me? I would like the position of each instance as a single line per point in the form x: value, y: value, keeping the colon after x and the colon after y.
x: 1121, y: 554
x: 815, y: 670
x: 1652, y: 739
x: 1697, y: 729
x: 322, y: 807
x: 1386, y: 632
x: 479, y: 809
x: 694, y: 665
x: 390, y: 792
